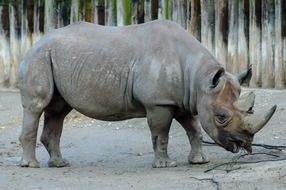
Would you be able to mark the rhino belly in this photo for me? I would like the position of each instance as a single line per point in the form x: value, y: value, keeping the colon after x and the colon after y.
x: 100, y: 93
x: 101, y: 104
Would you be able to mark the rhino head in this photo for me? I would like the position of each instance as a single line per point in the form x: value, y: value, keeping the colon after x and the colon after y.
x: 226, y: 116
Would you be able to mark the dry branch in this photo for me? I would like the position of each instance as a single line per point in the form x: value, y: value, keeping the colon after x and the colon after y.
x: 232, y: 163
x: 266, y: 146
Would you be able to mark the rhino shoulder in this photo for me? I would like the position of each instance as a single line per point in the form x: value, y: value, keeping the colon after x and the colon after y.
x: 165, y: 26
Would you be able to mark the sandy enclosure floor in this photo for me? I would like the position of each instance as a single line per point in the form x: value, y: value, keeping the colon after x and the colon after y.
x: 118, y: 155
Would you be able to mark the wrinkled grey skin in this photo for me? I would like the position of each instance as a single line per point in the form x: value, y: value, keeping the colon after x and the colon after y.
x: 155, y: 70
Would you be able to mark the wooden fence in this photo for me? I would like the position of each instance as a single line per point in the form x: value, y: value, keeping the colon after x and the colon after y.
x: 238, y: 32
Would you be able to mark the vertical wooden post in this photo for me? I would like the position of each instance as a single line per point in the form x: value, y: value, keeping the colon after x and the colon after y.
x: 38, y: 21
x: 166, y: 9
x: 204, y: 23
x: 243, y: 33
x: 221, y: 30
x: 36, y: 17
x: 4, y: 45
x: 134, y: 11
x: 14, y: 47
x: 154, y: 9
x: 62, y: 13
x: 208, y: 24
x: 267, y: 42
x: 41, y: 15
x: 255, y: 42
x: 120, y: 19
x: 283, y: 34
x: 127, y: 11
x: 194, y: 18
x: 147, y: 9
x: 30, y: 17
x: 278, y: 56
x: 74, y: 11
x: 88, y: 8
x: 49, y: 15
x: 232, y: 59
x: 27, y: 25
x: 179, y: 13
x: 211, y: 26
x: 160, y: 9
x: 110, y: 12
x: 101, y: 12
x: 59, y: 20
x: 140, y: 11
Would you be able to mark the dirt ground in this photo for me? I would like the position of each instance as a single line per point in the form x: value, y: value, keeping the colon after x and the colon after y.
x: 118, y: 155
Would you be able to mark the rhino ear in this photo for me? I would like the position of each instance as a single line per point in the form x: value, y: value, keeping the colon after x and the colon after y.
x: 245, y: 76
x: 216, y: 77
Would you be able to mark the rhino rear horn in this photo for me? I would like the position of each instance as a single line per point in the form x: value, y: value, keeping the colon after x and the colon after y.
x: 245, y: 76
x: 245, y: 102
x: 255, y: 122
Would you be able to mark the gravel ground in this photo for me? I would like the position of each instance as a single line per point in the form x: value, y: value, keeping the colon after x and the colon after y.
x: 118, y: 155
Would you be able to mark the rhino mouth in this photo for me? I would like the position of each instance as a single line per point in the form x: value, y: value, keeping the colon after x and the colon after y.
x: 238, y: 145
x: 235, y: 147
x: 235, y: 143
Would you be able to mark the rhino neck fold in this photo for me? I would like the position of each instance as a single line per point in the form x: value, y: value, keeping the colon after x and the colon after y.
x: 190, y: 89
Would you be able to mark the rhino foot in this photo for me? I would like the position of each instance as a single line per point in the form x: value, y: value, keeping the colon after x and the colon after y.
x: 198, y: 159
x: 30, y: 163
x: 164, y: 163
x: 58, y: 163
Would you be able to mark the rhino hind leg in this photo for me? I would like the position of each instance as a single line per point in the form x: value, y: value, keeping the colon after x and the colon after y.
x: 54, y: 116
x: 28, y: 138
x: 193, y: 130
x: 159, y: 120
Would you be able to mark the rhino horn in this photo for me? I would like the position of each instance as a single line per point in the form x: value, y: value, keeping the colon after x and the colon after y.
x: 255, y: 122
x: 245, y: 102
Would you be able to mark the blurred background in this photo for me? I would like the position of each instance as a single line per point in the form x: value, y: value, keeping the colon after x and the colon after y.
x: 239, y: 33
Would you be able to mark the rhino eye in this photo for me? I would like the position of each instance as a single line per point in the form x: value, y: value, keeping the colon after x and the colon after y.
x: 222, y: 119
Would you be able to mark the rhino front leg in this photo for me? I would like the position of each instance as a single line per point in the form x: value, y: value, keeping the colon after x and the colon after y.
x: 159, y: 120
x: 28, y: 138
x: 193, y: 130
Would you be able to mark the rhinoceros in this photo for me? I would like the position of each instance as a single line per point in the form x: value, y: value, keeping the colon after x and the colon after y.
x: 155, y: 70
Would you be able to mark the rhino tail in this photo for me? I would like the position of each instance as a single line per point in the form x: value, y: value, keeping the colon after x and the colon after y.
x: 36, y: 82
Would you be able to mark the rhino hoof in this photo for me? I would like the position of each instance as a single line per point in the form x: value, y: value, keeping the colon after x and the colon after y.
x: 198, y: 159
x: 164, y: 163
x: 30, y: 163
x: 58, y: 163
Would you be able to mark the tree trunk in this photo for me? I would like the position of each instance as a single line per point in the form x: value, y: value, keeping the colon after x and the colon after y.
x: 147, y: 9
x: 255, y: 42
x: 278, y: 58
x: 242, y: 36
x: 221, y: 31
x: 140, y: 12
x: 267, y: 50
x: 154, y: 9
x: 127, y: 12
x: 232, y: 58
x: 88, y: 9
x: 180, y: 12
x: 101, y: 12
x: 194, y: 18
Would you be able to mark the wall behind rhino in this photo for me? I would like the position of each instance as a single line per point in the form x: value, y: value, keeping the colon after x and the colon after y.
x: 238, y: 32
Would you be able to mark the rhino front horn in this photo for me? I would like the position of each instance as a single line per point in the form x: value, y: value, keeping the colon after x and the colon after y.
x: 255, y: 122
